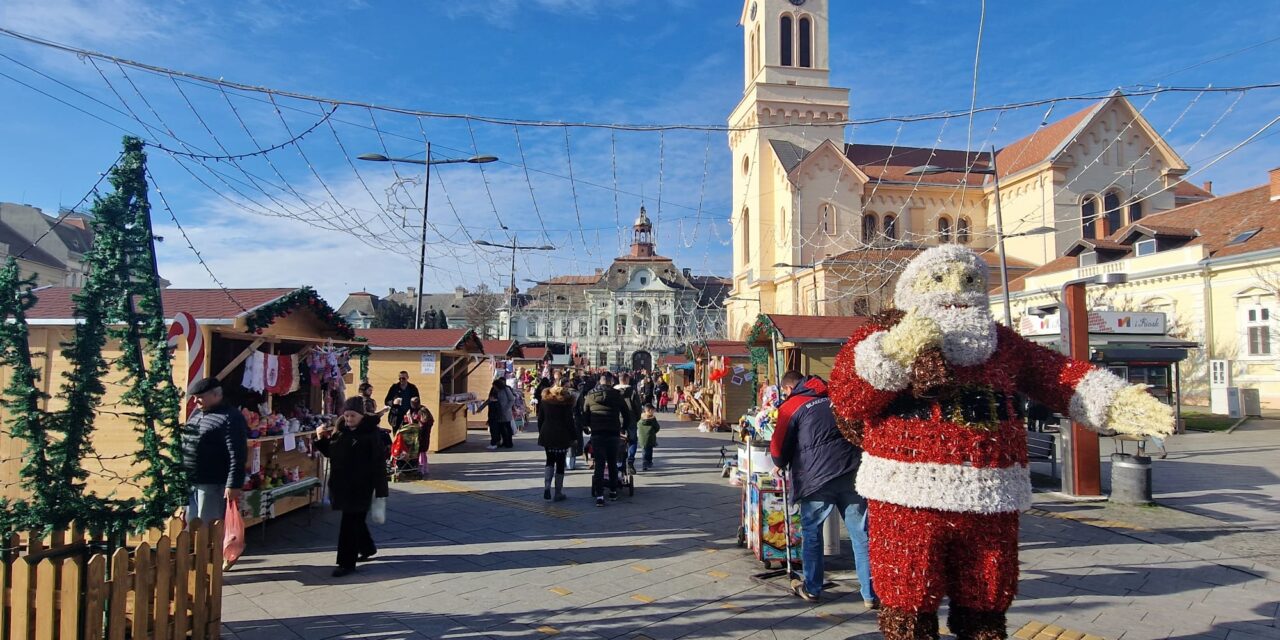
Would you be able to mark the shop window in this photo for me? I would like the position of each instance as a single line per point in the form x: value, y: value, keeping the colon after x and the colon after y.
x: 944, y: 229
x: 891, y: 227
x: 962, y: 231
x: 806, y: 42
x: 1089, y: 218
x: 1144, y: 247
x: 1258, y: 331
x: 1114, y: 213
x: 786, y: 31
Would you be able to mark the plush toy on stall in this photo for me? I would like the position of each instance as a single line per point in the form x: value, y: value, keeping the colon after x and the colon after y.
x: 929, y: 393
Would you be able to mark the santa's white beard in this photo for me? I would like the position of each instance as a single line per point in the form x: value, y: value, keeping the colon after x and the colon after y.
x: 968, y: 333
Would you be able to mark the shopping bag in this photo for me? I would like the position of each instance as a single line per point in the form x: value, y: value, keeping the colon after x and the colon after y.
x: 233, y: 535
x: 378, y: 512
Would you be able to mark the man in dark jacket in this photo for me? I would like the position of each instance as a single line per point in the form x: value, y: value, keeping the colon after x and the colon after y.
x: 822, y: 466
x: 631, y: 398
x: 215, y: 443
x: 398, y: 398
x: 606, y: 416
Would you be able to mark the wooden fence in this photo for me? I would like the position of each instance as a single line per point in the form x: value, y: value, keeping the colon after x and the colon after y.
x: 164, y: 585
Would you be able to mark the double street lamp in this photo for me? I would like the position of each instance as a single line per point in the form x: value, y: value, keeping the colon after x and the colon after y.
x: 513, y: 246
x: 428, y: 162
x: 989, y: 170
x: 813, y: 267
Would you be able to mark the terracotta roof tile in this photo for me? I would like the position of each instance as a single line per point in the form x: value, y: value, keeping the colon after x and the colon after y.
x: 499, y: 347
x: 55, y: 303
x: 575, y: 280
x: 1035, y: 148
x: 815, y: 328
x: 534, y: 353
x: 727, y: 348
x: 414, y: 338
x: 891, y: 163
x: 666, y: 360
x: 1184, y: 189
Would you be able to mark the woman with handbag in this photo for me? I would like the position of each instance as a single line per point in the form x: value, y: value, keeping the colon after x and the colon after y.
x: 357, y: 474
x: 557, y: 431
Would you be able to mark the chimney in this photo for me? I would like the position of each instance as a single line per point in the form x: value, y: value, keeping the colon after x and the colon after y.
x: 1275, y: 183
x: 1207, y: 186
x: 599, y: 270
x: 411, y: 291
x: 459, y: 292
x: 391, y: 291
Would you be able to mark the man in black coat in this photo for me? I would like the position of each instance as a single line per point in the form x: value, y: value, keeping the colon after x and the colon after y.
x: 822, y: 466
x: 215, y: 444
x: 606, y: 416
x: 398, y: 398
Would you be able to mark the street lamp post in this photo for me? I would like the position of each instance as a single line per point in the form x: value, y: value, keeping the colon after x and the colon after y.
x: 1081, y: 469
x: 813, y: 270
x: 514, y: 246
x: 426, y: 198
x: 990, y: 170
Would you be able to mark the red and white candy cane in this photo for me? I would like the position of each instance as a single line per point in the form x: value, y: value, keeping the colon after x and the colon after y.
x: 184, y: 324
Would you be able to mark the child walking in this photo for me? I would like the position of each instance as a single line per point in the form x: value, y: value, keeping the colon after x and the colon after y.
x: 648, y: 428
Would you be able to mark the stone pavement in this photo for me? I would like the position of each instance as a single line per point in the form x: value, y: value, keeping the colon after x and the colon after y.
x: 476, y: 553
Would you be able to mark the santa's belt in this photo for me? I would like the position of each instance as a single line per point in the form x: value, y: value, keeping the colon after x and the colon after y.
x: 977, y: 408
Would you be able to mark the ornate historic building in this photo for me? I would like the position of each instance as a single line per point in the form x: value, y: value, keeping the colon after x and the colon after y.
x: 822, y: 227
x: 625, y: 316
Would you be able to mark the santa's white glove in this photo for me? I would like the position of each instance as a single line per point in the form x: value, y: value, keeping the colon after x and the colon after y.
x: 910, y: 337
x: 1133, y: 411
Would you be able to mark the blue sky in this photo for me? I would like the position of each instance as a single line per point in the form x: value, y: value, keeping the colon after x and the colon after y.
x: 304, y: 215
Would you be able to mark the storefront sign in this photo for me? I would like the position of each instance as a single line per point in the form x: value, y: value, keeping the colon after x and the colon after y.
x: 1116, y: 322
x: 429, y: 361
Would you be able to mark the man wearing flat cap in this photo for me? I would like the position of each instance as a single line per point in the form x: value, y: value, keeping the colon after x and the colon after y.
x: 214, y: 446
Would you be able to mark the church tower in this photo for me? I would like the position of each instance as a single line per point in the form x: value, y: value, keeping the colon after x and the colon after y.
x: 787, y: 91
x: 642, y: 243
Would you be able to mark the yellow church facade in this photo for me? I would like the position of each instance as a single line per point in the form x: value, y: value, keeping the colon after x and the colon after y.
x: 822, y: 227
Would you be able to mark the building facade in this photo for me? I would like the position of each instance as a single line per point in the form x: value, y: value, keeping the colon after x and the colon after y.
x: 1213, y: 269
x: 821, y: 227
x: 627, y: 316
x: 51, y: 249
x: 361, y: 307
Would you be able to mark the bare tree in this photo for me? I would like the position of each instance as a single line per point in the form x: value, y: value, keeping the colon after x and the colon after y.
x: 481, y: 307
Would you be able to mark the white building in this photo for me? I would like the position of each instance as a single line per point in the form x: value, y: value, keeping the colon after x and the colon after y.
x: 627, y: 316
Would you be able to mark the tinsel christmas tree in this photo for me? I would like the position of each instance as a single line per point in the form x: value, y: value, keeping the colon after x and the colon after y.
x: 120, y: 301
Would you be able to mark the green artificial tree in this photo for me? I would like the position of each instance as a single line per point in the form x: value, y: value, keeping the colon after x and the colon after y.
x: 120, y: 301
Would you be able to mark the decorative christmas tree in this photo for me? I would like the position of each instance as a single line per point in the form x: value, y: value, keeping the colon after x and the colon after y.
x: 120, y: 301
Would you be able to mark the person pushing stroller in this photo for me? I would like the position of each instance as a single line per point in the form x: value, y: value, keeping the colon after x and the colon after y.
x: 606, y: 416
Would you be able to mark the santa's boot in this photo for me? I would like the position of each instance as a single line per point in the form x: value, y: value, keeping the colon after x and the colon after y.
x: 899, y: 624
x: 971, y: 624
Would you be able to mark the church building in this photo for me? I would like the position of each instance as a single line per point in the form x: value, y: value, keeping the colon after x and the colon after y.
x: 822, y: 227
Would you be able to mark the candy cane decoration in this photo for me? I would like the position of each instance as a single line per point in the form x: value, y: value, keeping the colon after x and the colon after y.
x: 184, y: 324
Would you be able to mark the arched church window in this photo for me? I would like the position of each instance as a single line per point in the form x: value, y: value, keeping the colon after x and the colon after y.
x: 825, y: 218
x: 962, y: 231
x: 753, y: 53
x: 944, y: 229
x: 891, y: 227
x: 806, y: 42
x: 787, y: 37
x: 869, y: 227
x: 1089, y: 218
x: 1115, y: 214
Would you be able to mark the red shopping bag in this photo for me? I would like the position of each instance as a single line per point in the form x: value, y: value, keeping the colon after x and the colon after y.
x: 233, y: 535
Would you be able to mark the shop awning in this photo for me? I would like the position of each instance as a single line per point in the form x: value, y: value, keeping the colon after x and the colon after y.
x: 1154, y: 356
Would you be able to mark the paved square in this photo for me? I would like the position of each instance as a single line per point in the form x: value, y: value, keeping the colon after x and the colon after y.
x: 476, y: 553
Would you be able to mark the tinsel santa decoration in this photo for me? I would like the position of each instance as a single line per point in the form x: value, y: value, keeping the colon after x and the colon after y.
x: 928, y: 392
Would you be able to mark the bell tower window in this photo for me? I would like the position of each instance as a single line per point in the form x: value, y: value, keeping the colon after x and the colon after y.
x: 786, y: 37
x: 806, y: 42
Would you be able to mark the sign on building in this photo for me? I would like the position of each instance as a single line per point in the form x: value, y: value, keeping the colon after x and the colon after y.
x: 1118, y: 322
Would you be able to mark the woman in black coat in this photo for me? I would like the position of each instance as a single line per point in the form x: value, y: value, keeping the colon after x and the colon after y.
x: 557, y: 431
x: 357, y: 471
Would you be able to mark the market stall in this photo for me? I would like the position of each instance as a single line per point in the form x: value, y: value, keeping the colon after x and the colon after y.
x: 808, y: 344
x: 282, y: 355
x: 439, y: 363
x: 498, y: 360
x: 723, y: 372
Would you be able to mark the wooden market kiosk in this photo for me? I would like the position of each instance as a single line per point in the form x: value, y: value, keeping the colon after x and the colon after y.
x: 439, y: 362
x: 720, y: 367
x: 808, y: 344
x: 232, y: 327
x: 481, y: 374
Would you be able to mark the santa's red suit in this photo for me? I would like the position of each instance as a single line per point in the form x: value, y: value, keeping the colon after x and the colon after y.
x: 945, y: 469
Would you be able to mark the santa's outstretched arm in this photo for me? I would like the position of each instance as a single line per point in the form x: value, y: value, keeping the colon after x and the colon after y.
x: 866, y: 376
x: 1091, y: 396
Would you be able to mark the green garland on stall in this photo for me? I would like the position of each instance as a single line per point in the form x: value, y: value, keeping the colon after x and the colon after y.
x: 120, y: 301
x: 362, y: 352
x: 263, y: 316
x: 763, y: 328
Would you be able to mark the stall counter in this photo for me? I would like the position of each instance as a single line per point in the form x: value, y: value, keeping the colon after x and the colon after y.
x: 451, y: 426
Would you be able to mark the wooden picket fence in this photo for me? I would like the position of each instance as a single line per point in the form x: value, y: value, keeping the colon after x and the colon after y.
x: 163, y: 585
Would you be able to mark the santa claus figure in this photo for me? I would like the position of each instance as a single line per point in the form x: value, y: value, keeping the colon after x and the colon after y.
x: 929, y: 393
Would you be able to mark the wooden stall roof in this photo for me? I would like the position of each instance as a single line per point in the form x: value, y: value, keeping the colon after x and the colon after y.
x: 672, y: 360
x: 533, y: 353
x: 502, y: 348
x: 422, y: 340
x: 806, y: 329
x: 209, y: 306
x: 720, y: 348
